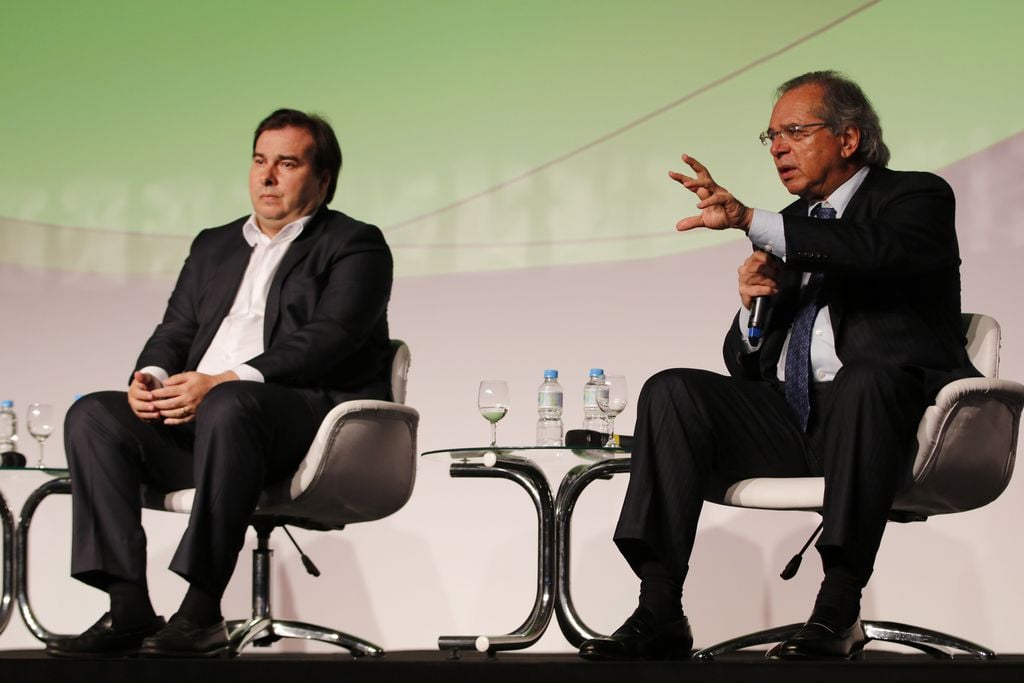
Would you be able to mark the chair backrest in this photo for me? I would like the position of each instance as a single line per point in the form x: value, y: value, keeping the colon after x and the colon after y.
x: 361, y: 465
x: 983, y: 339
x: 967, y: 440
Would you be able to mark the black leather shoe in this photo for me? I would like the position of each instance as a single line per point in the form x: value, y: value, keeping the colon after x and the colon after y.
x: 184, y: 638
x: 817, y: 641
x: 102, y: 639
x: 642, y: 637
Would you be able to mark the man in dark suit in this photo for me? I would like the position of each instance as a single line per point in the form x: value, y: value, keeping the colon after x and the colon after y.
x: 275, y: 318
x: 864, y: 327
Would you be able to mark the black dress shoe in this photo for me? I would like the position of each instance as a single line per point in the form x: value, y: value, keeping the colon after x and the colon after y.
x: 817, y: 641
x: 102, y: 639
x: 184, y: 638
x: 642, y: 637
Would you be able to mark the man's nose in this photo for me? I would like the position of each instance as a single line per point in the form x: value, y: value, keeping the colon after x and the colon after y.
x: 780, y: 145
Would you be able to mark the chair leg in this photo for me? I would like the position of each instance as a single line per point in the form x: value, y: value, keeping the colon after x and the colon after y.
x: 262, y: 629
x: 771, y: 635
x: 929, y: 642
x: 924, y: 639
x: 297, y: 629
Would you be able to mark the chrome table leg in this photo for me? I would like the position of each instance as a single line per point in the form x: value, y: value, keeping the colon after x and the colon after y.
x: 6, y: 602
x: 578, y: 478
x: 530, y: 477
x: 62, y: 485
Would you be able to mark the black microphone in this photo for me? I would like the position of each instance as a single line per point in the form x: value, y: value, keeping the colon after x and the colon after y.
x: 759, y: 306
x: 758, y: 314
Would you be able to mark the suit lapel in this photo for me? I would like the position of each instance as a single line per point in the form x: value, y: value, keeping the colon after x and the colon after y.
x: 222, y: 289
x: 297, y: 251
x: 856, y: 208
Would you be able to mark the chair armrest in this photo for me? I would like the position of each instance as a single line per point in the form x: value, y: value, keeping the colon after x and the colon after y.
x: 1004, y: 390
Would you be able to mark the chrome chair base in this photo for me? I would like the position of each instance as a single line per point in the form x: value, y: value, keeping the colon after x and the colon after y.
x: 927, y: 641
x: 264, y: 631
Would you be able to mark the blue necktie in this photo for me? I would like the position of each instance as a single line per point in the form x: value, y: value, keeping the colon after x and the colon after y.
x: 798, y: 355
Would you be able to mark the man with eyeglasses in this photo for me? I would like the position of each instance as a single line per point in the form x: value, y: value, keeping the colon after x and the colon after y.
x: 862, y: 275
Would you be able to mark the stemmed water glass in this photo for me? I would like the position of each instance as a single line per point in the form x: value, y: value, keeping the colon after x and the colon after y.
x: 492, y: 399
x: 40, y: 424
x: 611, y: 399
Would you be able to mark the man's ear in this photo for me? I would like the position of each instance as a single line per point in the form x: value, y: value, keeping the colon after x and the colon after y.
x: 849, y: 140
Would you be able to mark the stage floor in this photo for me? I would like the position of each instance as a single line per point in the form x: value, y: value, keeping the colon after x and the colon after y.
x: 397, y: 667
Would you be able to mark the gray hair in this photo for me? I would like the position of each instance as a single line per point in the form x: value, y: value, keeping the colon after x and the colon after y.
x: 845, y: 104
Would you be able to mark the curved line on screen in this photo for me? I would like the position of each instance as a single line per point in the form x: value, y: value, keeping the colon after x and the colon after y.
x: 532, y: 243
x: 632, y: 124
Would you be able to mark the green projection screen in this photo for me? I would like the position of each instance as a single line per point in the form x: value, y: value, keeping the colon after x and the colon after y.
x: 478, y: 135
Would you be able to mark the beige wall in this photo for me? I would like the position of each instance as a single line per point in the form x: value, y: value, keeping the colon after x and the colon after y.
x: 459, y: 558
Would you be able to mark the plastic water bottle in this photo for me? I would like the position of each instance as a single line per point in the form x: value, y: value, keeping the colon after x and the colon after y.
x: 593, y: 418
x: 8, y: 427
x: 549, y: 410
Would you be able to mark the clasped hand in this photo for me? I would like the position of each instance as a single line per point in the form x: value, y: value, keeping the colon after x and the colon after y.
x: 176, y: 401
x: 719, y: 209
x: 759, y: 276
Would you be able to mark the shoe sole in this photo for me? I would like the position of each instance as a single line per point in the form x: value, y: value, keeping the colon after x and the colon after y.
x: 160, y: 653
x: 117, y: 654
x: 801, y: 657
x: 673, y: 655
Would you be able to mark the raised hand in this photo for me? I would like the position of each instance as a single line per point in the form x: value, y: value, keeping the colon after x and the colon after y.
x: 719, y: 210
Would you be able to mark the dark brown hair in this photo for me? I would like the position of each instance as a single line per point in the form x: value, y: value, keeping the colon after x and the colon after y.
x: 326, y: 151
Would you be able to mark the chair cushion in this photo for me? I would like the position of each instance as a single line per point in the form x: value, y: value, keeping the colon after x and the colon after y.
x: 360, y: 466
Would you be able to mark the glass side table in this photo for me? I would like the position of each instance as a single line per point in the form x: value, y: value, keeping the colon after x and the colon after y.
x: 554, y: 516
x: 13, y: 568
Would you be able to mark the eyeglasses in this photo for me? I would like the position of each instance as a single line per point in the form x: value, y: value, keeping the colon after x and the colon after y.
x: 793, y: 132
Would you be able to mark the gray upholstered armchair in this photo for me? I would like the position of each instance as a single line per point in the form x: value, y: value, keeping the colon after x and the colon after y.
x: 967, y: 442
x: 360, y: 467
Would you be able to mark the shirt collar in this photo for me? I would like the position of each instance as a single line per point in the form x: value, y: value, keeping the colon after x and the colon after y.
x: 253, y: 235
x: 839, y: 199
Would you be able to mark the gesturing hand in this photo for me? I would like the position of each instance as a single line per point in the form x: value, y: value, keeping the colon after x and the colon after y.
x: 718, y: 208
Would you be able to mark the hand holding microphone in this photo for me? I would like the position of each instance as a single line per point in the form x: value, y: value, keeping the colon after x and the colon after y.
x: 758, y: 280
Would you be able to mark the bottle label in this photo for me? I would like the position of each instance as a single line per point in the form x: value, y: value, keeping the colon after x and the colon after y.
x: 549, y: 400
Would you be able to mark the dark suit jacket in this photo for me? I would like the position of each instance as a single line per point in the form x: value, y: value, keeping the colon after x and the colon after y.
x: 891, y: 270
x: 325, y: 325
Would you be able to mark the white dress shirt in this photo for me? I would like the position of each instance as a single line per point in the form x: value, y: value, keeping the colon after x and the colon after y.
x: 240, y: 335
x: 767, y: 232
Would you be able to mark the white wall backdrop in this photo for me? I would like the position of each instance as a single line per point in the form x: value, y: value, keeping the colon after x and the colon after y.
x: 459, y: 558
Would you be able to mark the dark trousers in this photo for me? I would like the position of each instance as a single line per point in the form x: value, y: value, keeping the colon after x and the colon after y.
x: 245, y: 436
x: 698, y: 432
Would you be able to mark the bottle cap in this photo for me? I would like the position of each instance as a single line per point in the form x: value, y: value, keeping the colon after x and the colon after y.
x: 551, y: 374
x: 7, y: 404
x: 596, y: 372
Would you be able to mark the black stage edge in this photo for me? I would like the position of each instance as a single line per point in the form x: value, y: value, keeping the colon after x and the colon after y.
x: 400, y: 667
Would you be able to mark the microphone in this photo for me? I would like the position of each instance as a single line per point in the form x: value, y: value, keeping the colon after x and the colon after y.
x: 758, y: 314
